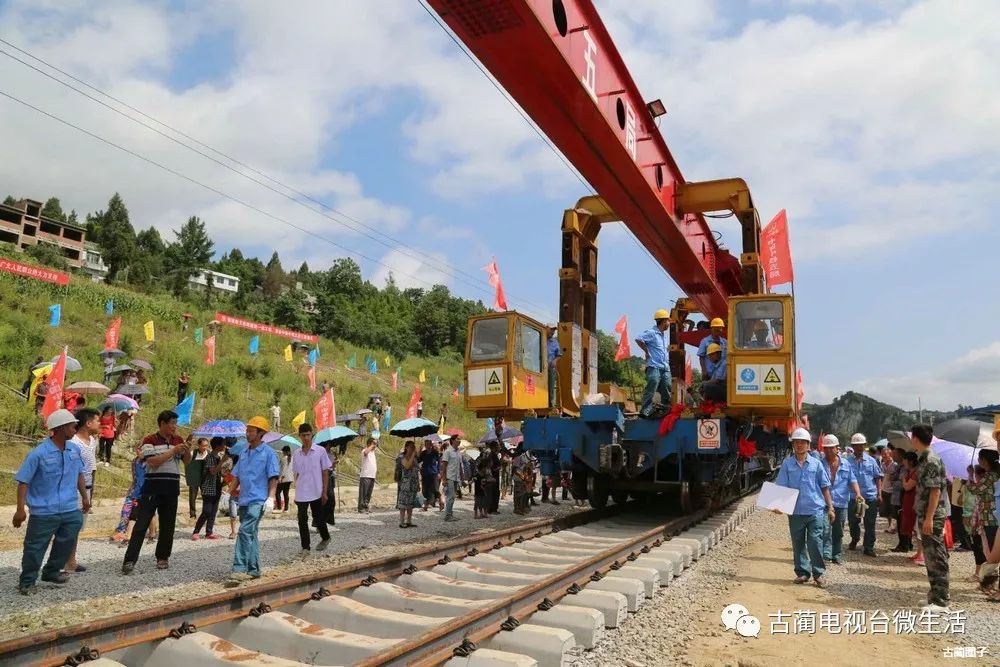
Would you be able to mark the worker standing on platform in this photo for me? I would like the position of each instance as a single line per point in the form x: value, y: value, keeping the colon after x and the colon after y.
x: 808, y: 520
x: 713, y: 386
x: 932, y: 508
x: 842, y: 483
x: 718, y: 336
x: 554, y: 352
x: 869, y: 476
x: 655, y: 342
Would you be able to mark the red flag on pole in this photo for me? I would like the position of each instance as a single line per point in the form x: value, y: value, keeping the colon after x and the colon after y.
x: 688, y: 371
x: 624, y: 351
x: 800, y: 391
x: 311, y: 374
x: 325, y: 410
x: 455, y: 395
x: 775, y: 253
x: 395, y: 380
x: 112, y: 334
x: 493, y: 271
x: 55, y: 380
x: 411, y: 409
x: 210, y: 351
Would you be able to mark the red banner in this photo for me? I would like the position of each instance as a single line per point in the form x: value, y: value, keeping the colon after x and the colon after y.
x: 36, y: 272
x: 800, y: 390
x: 500, y: 298
x: 311, y: 374
x: 775, y: 253
x: 111, y: 335
x: 55, y: 380
x: 621, y: 328
x: 270, y: 329
x: 411, y: 409
x: 325, y: 411
x: 210, y: 351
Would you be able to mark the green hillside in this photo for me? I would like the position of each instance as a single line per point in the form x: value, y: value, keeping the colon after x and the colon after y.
x: 857, y: 413
x: 238, y: 386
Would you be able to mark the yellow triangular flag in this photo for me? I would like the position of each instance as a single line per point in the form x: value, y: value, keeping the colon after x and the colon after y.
x: 288, y: 354
x: 388, y: 362
x: 299, y: 420
x: 423, y: 377
x: 148, y: 329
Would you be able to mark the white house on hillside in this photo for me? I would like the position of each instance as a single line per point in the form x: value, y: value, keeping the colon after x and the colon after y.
x: 215, y: 280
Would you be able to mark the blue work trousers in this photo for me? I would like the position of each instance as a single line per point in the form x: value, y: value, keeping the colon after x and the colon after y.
x: 807, y: 543
x: 833, y: 535
x: 449, y: 497
x: 657, y: 380
x: 855, y: 522
x: 247, y: 555
x: 62, y: 531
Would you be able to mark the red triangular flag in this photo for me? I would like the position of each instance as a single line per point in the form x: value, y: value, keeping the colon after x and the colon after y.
x: 624, y: 351
x: 775, y: 253
x: 688, y: 371
x: 411, y: 409
x: 325, y: 410
x: 395, y: 380
x: 112, y: 334
x: 55, y: 380
x: 210, y: 351
x: 311, y: 373
x: 500, y: 298
x: 800, y: 390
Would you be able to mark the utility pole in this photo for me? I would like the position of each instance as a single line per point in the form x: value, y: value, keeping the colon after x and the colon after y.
x: 920, y: 408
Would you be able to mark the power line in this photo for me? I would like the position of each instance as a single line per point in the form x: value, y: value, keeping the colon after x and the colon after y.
x: 395, y: 244
x: 205, y: 186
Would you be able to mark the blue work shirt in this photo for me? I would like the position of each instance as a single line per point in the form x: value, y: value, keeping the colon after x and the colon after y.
x: 257, y: 465
x: 716, y: 371
x: 840, y: 484
x: 52, y: 475
x: 815, y: 454
x: 810, y: 478
x: 866, y: 471
x: 657, y: 342
x: 708, y: 340
x: 555, y: 351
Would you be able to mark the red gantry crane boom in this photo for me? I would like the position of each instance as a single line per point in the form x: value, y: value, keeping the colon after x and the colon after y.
x: 557, y: 60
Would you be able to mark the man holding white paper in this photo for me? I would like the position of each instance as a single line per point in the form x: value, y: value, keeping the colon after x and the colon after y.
x: 808, y: 520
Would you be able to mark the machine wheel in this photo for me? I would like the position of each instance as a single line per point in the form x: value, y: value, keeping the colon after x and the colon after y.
x: 684, y: 498
x: 620, y: 497
x: 578, y: 484
x: 597, y: 491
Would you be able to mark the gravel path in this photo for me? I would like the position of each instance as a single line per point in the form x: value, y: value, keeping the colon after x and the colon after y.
x: 200, y: 568
x: 681, y: 625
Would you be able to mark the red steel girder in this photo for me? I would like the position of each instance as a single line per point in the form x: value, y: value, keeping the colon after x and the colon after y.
x: 557, y: 60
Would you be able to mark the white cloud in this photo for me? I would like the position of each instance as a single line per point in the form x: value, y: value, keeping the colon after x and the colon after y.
x: 409, y: 270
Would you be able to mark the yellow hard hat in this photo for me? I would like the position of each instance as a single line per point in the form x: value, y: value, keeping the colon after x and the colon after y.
x: 717, y: 322
x: 661, y: 314
x: 259, y: 422
x: 714, y: 347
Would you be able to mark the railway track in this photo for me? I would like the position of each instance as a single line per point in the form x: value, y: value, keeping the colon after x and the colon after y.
x: 518, y: 596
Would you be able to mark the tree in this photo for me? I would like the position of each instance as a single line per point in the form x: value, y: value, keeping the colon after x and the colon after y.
x: 150, y: 247
x: 289, y: 311
x: 114, y: 233
x: 47, y: 254
x: 189, y: 254
x: 274, y: 277
x: 431, y: 324
x: 53, y: 210
x: 9, y: 200
x: 72, y: 219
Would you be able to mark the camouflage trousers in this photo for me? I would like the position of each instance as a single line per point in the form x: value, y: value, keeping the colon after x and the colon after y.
x: 936, y: 558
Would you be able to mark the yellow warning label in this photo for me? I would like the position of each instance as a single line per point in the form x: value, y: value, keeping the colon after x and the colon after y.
x: 772, y: 377
x: 494, y: 385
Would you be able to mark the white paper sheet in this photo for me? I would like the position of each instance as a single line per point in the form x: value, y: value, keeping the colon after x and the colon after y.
x: 774, y: 497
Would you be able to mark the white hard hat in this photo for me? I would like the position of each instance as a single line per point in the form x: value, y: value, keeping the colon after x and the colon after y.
x: 59, y: 418
x: 859, y: 439
x: 830, y: 441
x: 801, y: 434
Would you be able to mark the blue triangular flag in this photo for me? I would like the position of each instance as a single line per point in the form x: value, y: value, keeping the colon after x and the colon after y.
x: 386, y: 418
x: 55, y: 314
x: 489, y: 425
x: 461, y: 388
x: 372, y: 366
x: 184, y: 410
x: 255, y: 345
x: 313, y: 355
x: 109, y: 307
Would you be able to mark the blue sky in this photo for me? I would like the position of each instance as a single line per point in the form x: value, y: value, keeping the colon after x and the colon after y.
x: 875, y: 124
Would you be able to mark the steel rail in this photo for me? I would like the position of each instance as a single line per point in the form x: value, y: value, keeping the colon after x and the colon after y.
x: 56, y: 647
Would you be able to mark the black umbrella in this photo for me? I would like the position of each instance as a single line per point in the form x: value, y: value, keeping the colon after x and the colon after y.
x: 113, y: 352
x: 508, y: 433
x: 139, y: 363
x: 132, y: 389
x: 414, y: 427
x: 120, y: 369
x: 965, y: 432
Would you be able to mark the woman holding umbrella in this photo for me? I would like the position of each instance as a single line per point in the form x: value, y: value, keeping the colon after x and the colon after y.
x: 407, y: 485
x: 984, y: 521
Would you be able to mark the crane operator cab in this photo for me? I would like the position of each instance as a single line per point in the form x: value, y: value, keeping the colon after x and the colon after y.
x: 760, y: 366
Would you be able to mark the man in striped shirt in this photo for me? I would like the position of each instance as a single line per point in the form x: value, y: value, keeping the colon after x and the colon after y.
x: 161, y: 452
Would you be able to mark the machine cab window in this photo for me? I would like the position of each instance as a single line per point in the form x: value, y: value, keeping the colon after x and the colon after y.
x: 489, y: 340
x: 531, y: 348
x: 759, y: 325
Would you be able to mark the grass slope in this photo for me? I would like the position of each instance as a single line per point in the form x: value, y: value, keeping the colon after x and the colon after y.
x: 238, y: 386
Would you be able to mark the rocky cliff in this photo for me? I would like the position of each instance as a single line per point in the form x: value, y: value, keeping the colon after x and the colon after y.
x: 857, y: 413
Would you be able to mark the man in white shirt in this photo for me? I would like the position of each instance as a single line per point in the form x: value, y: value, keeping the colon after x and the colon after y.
x: 366, y: 477
x: 88, y: 427
x: 451, y: 470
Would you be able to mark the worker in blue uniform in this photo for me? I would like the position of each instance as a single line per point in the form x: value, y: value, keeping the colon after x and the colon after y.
x: 554, y: 352
x: 717, y: 336
x: 713, y: 386
x: 869, y: 475
x: 655, y: 342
